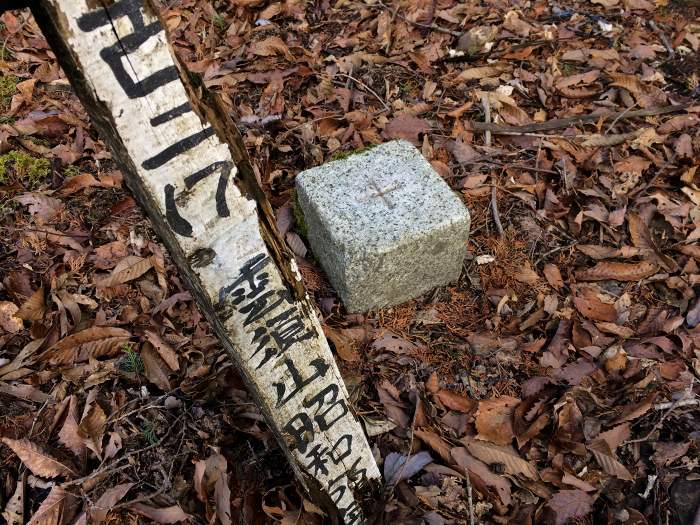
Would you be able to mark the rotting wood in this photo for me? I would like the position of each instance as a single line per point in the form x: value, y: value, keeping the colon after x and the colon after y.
x: 559, y: 123
x: 185, y: 162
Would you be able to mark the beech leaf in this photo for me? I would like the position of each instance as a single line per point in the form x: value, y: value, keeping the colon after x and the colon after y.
x: 128, y: 269
x: 56, y: 509
x: 567, y: 504
x: 36, y: 459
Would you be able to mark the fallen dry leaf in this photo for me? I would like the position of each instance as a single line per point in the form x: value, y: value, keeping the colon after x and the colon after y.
x: 57, y: 508
x: 33, y: 308
x: 98, y: 511
x: 589, y: 304
x: 164, y: 350
x: 607, y: 462
x: 494, y: 419
x: 553, y: 276
x: 618, y: 271
x: 507, y: 456
x: 472, y: 466
x: 128, y: 269
x: 165, y: 515
x: 435, y: 442
x: 92, y: 427
x: 156, y: 369
x: 567, y: 504
x: 42, y: 207
x: 455, y: 401
x: 9, y: 320
x: 36, y: 459
x: 406, y: 127
x: 69, y: 435
x: 98, y: 341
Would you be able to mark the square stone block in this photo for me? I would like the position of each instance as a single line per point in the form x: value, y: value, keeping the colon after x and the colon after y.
x: 384, y: 225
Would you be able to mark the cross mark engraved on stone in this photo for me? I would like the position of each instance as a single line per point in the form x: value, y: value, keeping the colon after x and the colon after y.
x: 381, y: 192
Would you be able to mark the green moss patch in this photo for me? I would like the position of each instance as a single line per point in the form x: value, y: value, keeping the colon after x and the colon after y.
x: 8, y: 87
x: 299, y: 216
x: 22, y: 167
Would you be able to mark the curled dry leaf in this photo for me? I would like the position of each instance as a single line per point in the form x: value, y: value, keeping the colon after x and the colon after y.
x: 494, y: 419
x: 69, y: 435
x: 9, y: 320
x: 99, y: 510
x: 33, y: 308
x: 36, y: 459
x: 165, y: 515
x: 474, y: 467
x: 155, y: 368
x: 507, y: 456
x: 98, y: 341
x: 164, y: 350
x: 128, y: 269
x: 455, y: 401
x: 618, y: 271
x: 57, y: 508
x: 567, y: 504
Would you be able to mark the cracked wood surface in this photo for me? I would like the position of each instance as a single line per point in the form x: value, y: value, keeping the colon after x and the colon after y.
x: 206, y: 206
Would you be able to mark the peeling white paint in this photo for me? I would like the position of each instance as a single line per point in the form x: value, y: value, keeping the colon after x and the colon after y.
x: 235, y: 240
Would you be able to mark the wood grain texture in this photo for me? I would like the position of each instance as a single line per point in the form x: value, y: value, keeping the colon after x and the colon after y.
x: 185, y: 163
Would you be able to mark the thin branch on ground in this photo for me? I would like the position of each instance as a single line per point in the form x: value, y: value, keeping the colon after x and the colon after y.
x: 369, y: 89
x: 560, y: 123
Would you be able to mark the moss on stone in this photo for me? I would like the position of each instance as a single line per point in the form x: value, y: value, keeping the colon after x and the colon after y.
x: 340, y: 155
x: 21, y: 166
x: 299, y: 216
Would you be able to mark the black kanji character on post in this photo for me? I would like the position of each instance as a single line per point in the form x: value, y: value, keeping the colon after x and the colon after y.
x: 248, y: 276
x: 333, y: 402
x: 318, y: 460
x: 301, y: 429
x: 284, y: 330
x: 300, y: 383
x: 116, y: 57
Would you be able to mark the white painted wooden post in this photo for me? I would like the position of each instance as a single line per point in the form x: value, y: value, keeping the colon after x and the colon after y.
x: 119, y: 61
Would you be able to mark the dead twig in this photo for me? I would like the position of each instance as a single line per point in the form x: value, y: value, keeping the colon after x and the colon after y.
x: 494, y: 209
x: 559, y: 123
x: 677, y: 404
x: 470, y: 501
x: 487, y: 118
x: 671, y: 406
x: 664, y: 39
x: 366, y: 87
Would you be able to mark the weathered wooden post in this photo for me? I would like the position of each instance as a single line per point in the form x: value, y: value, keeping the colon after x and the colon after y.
x: 186, y: 164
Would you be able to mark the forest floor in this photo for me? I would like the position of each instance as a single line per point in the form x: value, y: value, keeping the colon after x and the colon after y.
x: 556, y: 382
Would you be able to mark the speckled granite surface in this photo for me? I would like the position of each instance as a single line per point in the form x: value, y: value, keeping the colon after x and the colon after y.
x: 384, y: 225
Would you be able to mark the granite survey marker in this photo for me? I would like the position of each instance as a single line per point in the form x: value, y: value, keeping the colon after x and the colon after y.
x: 119, y: 62
x: 384, y: 225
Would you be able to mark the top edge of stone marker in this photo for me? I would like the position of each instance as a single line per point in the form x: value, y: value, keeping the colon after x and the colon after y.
x: 414, y: 199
